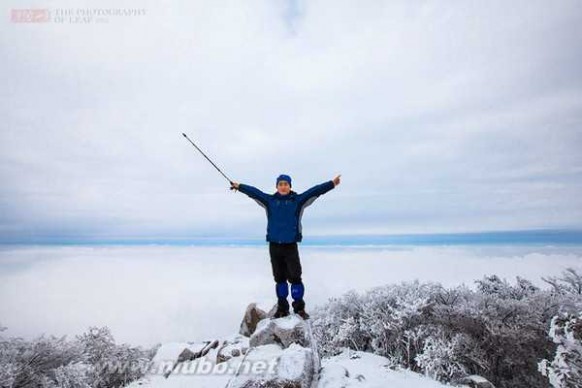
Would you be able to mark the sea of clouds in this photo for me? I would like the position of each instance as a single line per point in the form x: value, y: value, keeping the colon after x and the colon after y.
x: 150, y: 294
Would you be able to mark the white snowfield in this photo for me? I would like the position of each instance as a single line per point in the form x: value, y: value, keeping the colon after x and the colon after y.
x: 273, y: 361
x: 365, y: 370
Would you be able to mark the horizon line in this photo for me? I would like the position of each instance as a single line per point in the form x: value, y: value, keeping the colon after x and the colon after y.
x: 522, y: 236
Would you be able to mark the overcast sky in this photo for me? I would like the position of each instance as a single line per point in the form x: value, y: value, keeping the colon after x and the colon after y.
x: 441, y: 116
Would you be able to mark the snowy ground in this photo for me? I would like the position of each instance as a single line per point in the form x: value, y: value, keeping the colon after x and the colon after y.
x: 366, y: 370
x: 160, y: 294
x: 349, y: 369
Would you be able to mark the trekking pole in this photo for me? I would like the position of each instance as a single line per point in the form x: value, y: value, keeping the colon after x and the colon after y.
x: 211, y: 162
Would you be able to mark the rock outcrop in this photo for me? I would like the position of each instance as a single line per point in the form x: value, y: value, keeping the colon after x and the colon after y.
x: 276, y: 353
x: 253, y: 315
x: 235, y: 347
x: 282, y: 331
x: 279, y: 353
x: 282, y: 354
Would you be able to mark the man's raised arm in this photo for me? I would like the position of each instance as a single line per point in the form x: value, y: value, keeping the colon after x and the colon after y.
x: 306, y: 198
x: 252, y: 192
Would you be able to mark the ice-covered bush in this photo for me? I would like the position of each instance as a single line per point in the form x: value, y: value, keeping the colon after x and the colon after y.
x: 339, y: 325
x: 83, y: 362
x: 375, y: 321
x: 441, y: 356
x: 570, y: 282
x: 32, y: 363
x: 112, y: 365
x: 497, y: 330
x: 565, y: 370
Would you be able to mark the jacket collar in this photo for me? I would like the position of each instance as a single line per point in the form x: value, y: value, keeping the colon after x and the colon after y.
x: 290, y: 195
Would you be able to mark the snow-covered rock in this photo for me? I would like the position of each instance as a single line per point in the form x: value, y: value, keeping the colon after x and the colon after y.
x: 285, y: 346
x: 253, y: 314
x: 235, y: 347
x: 170, y: 355
x: 284, y: 367
x: 282, y: 331
x: 280, y: 353
x: 475, y: 381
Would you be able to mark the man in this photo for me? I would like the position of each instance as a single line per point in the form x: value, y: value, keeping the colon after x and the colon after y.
x: 284, y: 211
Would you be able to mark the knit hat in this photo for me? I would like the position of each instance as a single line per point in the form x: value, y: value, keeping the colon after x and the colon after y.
x: 285, y: 178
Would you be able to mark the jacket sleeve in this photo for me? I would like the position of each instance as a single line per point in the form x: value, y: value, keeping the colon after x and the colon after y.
x: 306, y: 198
x: 256, y: 194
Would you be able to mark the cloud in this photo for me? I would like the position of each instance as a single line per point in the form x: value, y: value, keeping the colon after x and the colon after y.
x: 195, y: 293
x: 440, y: 118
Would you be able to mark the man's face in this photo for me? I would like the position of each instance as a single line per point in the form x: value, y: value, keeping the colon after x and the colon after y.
x: 283, y: 187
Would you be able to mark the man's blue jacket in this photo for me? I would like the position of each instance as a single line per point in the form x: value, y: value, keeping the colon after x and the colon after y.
x: 284, y: 211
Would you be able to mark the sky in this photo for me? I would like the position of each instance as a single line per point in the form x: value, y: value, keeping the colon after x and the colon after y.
x: 440, y: 117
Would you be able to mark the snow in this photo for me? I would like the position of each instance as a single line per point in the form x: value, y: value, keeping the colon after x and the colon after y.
x: 292, y: 362
x: 348, y: 369
x: 476, y: 378
x: 287, y: 323
x: 171, y: 351
x: 365, y: 370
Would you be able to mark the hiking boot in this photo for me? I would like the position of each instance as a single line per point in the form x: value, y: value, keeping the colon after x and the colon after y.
x: 299, y: 308
x: 281, y: 313
x: 282, y: 308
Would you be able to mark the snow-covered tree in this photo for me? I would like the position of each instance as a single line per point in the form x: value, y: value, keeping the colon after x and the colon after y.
x: 340, y: 325
x: 49, y: 362
x: 32, y: 362
x: 441, y: 357
x: 72, y: 375
x: 112, y: 365
x: 390, y: 312
x: 497, y: 330
x: 565, y: 370
x: 570, y: 282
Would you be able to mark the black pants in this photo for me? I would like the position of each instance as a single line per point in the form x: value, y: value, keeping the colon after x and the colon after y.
x: 286, y: 267
x: 285, y: 262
